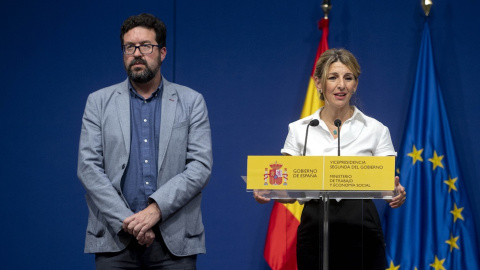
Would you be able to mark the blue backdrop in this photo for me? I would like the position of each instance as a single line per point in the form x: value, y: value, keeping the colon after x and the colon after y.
x: 251, y: 60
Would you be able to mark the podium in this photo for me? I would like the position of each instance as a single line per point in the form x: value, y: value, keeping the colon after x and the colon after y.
x: 322, y: 178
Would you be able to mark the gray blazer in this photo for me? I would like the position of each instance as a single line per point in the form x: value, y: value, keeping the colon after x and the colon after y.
x: 184, y: 162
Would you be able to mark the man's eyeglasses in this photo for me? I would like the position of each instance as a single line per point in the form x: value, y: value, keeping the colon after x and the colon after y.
x: 144, y: 48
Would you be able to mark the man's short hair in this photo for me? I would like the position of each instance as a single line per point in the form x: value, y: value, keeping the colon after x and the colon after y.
x: 148, y: 21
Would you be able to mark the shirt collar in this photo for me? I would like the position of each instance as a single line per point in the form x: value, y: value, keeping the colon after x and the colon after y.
x: 135, y: 94
x: 357, y: 115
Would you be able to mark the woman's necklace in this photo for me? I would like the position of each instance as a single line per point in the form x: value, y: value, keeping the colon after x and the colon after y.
x: 332, y: 128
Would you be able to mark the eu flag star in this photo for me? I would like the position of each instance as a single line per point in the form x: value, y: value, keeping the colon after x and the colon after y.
x: 393, y: 267
x: 451, y: 183
x: 438, y: 264
x: 457, y: 213
x: 452, y: 242
x: 416, y: 155
x: 436, y: 160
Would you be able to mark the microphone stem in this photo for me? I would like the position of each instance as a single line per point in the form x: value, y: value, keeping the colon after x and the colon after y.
x: 338, y: 123
x: 305, y: 144
x: 338, y: 138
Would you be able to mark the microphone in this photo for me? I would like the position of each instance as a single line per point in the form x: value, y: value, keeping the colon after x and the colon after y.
x: 338, y: 123
x: 312, y: 123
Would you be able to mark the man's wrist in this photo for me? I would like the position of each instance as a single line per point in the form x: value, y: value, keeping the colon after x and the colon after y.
x: 153, y: 204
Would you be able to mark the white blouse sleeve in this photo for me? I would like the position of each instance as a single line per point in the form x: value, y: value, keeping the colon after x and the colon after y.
x: 292, y: 145
x: 385, y: 145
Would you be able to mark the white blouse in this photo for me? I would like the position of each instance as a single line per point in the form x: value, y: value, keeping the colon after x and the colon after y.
x: 360, y: 135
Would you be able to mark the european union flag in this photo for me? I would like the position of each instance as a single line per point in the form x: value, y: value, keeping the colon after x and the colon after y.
x: 434, y: 229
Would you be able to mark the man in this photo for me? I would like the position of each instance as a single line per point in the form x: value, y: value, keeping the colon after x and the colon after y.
x: 144, y: 157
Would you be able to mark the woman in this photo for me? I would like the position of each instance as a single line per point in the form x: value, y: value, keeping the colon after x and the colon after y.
x: 355, y: 233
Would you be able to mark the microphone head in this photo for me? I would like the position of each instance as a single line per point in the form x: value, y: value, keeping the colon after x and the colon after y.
x: 314, y: 123
x: 337, y: 122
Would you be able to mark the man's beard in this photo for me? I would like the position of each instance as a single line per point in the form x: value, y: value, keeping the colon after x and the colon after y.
x: 145, y: 75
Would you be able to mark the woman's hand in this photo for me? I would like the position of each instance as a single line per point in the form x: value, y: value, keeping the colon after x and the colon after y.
x: 258, y: 196
x: 401, y: 196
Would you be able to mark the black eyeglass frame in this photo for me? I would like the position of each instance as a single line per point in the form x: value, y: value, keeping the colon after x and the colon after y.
x: 139, y: 48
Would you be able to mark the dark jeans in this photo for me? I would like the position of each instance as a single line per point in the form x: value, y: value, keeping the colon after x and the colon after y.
x: 139, y: 257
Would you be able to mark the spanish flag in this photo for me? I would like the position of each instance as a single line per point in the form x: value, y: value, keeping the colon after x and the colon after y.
x: 280, y: 246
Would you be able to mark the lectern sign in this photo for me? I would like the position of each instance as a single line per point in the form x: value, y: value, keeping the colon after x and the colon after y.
x: 321, y: 173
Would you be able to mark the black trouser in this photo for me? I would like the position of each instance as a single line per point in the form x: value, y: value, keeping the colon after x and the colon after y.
x: 135, y: 256
x: 355, y: 236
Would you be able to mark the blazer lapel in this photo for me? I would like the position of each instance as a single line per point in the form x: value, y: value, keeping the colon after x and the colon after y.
x: 169, y: 103
x: 123, y: 109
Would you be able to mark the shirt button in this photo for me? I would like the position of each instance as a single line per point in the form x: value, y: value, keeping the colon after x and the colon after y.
x: 145, y: 140
x: 146, y: 161
x: 145, y: 120
x: 146, y: 183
